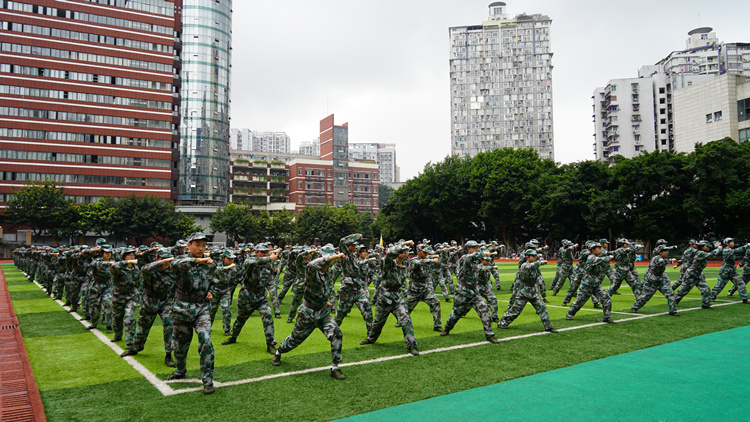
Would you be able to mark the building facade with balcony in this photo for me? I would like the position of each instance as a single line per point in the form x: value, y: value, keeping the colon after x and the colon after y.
x: 703, y: 59
x: 90, y: 97
x: 253, y: 140
x: 501, y: 84
x: 384, y: 155
x: 261, y: 182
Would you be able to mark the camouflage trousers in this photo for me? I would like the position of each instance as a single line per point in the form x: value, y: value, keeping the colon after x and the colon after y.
x: 441, y: 281
x: 448, y: 278
x: 349, y: 295
x: 591, y: 287
x: 496, y: 276
x: 745, y: 279
x: 150, y: 308
x: 392, y: 303
x: 222, y: 298
x: 652, y: 284
x: 683, y: 273
x: 307, y: 321
x: 561, y: 275
x: 187, y: 317
x: 573, y: 291
x: 48, y: 279
x: 273, y: 294
x: 123, y: 315
x: 693, y: 279
x: 247, y: 303
x: 523, y: 295
x: 486, y: 292
x: 85, y: 296
x: 466, y: 300
x: 630, y: 275
x: 100, y: 304
x: 58, y: 286
x: 298, y: 293
x: 725, y: 276
x: 287, y: 281
x: 73, y: 291
x: 428, y: 296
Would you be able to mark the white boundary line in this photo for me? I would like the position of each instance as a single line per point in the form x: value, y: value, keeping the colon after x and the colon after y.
x: 165, y: 389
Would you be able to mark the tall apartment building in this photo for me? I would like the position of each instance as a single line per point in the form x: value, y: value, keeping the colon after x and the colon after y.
x: 334, y: 147
x: 270, y: 142
x: 704, y: 58
x: 310, y: 148
x: 501, y: 84
x: 204, y: 129
x: 384, y: 155
x: 89, y: 96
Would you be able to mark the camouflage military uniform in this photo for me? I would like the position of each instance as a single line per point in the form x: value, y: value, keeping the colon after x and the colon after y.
x: 694, y: 278
x: 126, y: 280
x: 468, y: 296
x: 744, y: 264
x: 314, y: 311
x: 298, y: 286
x: 226, y: 282
x: 290, y: 273
x: 484, y: 285
x: 76, y: 278
x: 686, y: 261
x: 728, y: 273
x: 564, y: 268
x: 625, y: 270
x: 100, y: 293
x: 158, y: 294
x: 576, y: 278
x: 591, y: 286
x: 421, y: 290
x: 391, y: 300
x: 445, y: 278
x: 654, y: 280
x: 253, y: 275
x: 191, y: 311
x: 527, y: 292
x: 353, y: 289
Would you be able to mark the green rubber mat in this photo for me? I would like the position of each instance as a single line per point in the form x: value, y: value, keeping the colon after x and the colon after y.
x: 704, y: 378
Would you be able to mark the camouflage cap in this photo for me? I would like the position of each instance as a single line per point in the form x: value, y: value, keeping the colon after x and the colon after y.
x: 101, y: 241
x: 327, y: 249
x: 261, y: 247
x: 164, y: 254
x: 692, y: 242
x: 228, y: 253
x: 703, y: 243
x: 603, y: 241
x: 423, y: 247
x: 154, y: 244
x: 181, y: 243
x: 106, y: 248
x: 143, y: 248
x: 728, y: 239
x: 660, y: 249
x: 126, y: 251
x: 534, y: 241
x: 661, y: 242
x: 595, y: 245
x: 361, y: 246
x: 530, y: 245
x: 566, y: 242
x: 471, y: 244
x: 531, y: 252
x: 197, y: 236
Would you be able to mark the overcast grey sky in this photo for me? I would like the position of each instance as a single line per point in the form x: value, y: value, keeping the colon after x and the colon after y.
x: 382, y: 65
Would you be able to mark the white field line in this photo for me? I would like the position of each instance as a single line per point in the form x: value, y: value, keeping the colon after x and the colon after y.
x: 166, y: 390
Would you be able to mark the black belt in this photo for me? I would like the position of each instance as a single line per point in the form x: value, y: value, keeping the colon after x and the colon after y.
x: 314, y: 308
x: 189, y: 299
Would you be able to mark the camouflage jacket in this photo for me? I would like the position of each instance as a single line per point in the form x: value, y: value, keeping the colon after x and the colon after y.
x: 700, y: 260
x: 394, y: 275
x: 484, y: 274
x: 467, y: 274
x: 252, y: 273
x: 126, y: 278
x: 530, y: 273
x: 156, y: 280
x: 565, y: 255
x: 226, y: 278
x: 729, y: 256
x: 419, y: 273
x: 101, y: 271
x: 656, y: 266
x: 193, y: 279
x: 318, y: 283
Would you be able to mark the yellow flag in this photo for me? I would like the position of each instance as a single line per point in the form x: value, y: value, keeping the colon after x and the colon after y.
x: 381, y: 239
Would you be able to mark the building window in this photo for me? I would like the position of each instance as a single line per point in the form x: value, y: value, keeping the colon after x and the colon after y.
x: 662, y: 111
x: 743, y: 110
x: 637, y: 148
x: 299, y: 171
x: 744, y: 135
x: 717, y: 116
x: 709, y: 118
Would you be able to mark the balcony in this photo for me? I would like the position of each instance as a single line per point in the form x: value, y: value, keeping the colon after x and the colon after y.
x: 261, y: 179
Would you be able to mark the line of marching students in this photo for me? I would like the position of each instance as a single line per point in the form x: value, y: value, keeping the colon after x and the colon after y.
x: 186, y: 284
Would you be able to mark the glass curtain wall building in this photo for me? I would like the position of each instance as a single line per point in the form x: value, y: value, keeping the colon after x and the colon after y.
x: 204, y: 129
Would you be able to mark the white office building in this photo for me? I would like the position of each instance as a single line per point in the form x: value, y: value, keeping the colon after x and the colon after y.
x: 704, y: 59
x: 382, y: 154
x: 311, y: 148
x: 501, y: 84
x: 251, y: 140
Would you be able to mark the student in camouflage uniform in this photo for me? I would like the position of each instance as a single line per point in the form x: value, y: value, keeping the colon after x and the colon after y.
x: 744, y: 264
x: 314, y: 312
x: 226, y: 280
x: 126, y: 281
x: 298, y: 287
x: 290, y: 273
x: 445, y: 278
x: 728, y: 272
x: 694, y: 275
x: 577, y: 276
x: 527, y: 292
x: 654, y: 280
x: 484, y: 284
x: 420, y: 289
x: 254, y: 275
x: 391, y: 299
x: 100, y: 292
x: 191, y: 310
x: 685, y: 262
x: 564, y: 265
x: 625, y: 269
x: 594, y: 271
x: 76, y: 278
x: 158, y: 293
x: 467, y: 293
x: 353, y: 289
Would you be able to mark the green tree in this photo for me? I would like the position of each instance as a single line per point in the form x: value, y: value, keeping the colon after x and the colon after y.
x: 281, y: 227
x: 384, y: 192
x: 149, y: 217
x: 236, y: 220
x: 326, y: 223
x: 101, y: 217
x: 38, y: 206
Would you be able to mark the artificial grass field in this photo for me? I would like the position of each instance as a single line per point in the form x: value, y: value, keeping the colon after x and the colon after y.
x: 81, y: 378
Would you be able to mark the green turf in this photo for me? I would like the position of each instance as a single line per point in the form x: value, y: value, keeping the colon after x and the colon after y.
x: 651, y: 384
x: 315, y: 396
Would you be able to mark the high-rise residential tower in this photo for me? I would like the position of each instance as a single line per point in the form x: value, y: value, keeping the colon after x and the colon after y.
x: 384, y: 155
x: 501, y: 84
x: 88, y: 96
x: 204, y: 130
